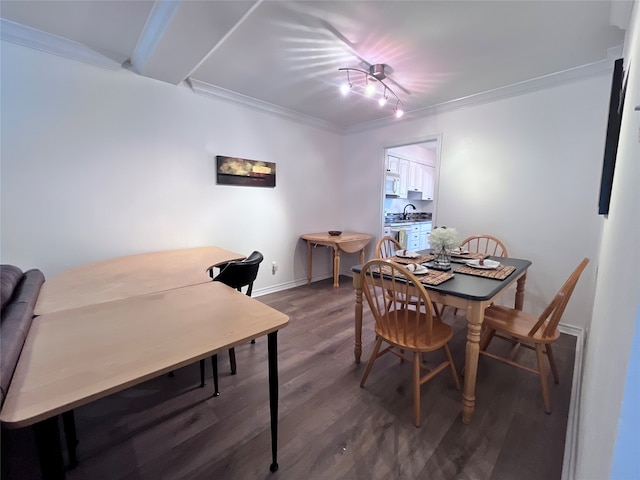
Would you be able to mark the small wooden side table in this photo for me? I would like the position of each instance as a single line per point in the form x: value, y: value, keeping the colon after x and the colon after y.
x: 349, y: 242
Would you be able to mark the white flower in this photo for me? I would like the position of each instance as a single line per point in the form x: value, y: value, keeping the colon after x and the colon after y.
x: 443, y: 237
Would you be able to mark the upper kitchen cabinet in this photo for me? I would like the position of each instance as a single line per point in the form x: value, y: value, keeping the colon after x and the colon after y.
x: 428, y: 182
x: 421, y: 183
x: 399, y: 166
x: 393, y: 164
x: 403, y: 170
x: 415, y: 177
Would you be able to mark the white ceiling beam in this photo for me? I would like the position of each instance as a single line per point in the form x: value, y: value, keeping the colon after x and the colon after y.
x: 157, y: 22
x: 178, y: 35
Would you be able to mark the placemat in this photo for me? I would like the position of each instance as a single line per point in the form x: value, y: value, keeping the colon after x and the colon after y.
x: 432, y: 277
x: 419, y: 259
x: 470, y: 255
x: 500, y: 273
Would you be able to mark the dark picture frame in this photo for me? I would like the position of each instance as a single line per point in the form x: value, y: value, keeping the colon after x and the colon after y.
x: 616, y: 108
x: 249, y: 173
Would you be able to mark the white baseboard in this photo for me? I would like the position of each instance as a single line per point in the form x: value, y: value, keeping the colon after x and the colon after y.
x: 571, y: 438
x: 287, y: 285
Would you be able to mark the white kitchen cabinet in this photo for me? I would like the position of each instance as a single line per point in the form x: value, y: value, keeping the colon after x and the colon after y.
x: 417, y: 234
x: 425, y: 230
x: 413, y: 242
x: 393, y: 164
x: 428, y: 182
x: 403, y: 170
x: 415, y: 177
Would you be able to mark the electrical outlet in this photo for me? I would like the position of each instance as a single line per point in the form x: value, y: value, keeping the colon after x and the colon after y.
x: 274, y: 268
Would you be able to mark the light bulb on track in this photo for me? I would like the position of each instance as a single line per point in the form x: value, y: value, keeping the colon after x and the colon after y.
x: 375, y: 75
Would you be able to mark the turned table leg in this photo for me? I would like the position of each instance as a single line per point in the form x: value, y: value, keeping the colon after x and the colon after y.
x: 475, y: 314
x: 309, y: 262
x: 336, y: 267
x: 358, y: 319
x: 520, y: 292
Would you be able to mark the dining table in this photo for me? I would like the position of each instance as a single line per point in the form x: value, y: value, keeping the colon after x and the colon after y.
x: 107, y: 326
x: 468, y: 289
x: 348, y: 242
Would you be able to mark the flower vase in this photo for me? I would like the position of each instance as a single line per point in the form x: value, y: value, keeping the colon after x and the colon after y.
x: 443, y: 259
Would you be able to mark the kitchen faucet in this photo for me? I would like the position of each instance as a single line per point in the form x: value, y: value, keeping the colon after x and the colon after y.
x: 404, y: 212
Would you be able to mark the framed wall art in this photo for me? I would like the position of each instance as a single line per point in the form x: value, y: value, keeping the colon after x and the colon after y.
x: 249, y: 173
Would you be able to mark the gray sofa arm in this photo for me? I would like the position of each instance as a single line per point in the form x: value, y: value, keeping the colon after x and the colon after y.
x: 19, y: 294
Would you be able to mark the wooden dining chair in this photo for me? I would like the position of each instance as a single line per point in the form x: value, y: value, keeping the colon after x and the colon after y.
x: 387, y: 247
x: 482, y: 243
x: 534, y: 333
x: 237, y: 274
x: 485, y: 243
x: 409, y: 326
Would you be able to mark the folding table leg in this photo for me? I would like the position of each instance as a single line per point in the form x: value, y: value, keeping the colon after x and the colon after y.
x: 214, y: 366
x: 69, y: 424
x: 272, y: 345
x: 50, y: 449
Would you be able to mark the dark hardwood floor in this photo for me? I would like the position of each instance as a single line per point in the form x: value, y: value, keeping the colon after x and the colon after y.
x: 329, y: 427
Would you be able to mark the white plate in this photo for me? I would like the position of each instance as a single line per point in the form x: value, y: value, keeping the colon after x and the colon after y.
x: 457, y: 251
x: 488, y: 264
x: 407, y: 254
x: 420, y: 270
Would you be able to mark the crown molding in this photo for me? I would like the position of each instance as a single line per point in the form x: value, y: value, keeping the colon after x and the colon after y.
x: 571, y: 75
x: 212, y: 91
x: 596, y: 69
x: 47, y: 42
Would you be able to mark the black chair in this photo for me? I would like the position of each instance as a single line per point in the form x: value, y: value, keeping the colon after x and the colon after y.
x: 237, y: 274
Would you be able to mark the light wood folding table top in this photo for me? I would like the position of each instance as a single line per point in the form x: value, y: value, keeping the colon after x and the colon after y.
x: 129, y: 276
x: 349, y: 242
x: 73, y: 357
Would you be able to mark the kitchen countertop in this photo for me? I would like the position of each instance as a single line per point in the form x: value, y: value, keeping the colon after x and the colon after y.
x: 389, y: 223
x: 398, y: 218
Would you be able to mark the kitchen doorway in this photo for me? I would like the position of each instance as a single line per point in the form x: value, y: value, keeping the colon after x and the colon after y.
x: 416, y: 167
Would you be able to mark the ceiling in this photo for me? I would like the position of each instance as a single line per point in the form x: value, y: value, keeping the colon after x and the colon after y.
x: 287, y: 53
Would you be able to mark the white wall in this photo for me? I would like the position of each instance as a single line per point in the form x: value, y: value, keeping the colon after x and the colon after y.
x: 616, y: 302
x: 97, y: 163
x: 525, y: 169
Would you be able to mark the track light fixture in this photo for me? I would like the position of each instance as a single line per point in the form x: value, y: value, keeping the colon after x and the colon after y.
x: 375, y: 74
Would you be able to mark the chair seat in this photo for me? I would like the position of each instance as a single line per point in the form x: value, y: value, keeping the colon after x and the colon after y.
x: 516, y: 323
x: 441, y: 334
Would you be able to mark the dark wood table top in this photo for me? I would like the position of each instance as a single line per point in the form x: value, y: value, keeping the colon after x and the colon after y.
x: 473, y: 287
